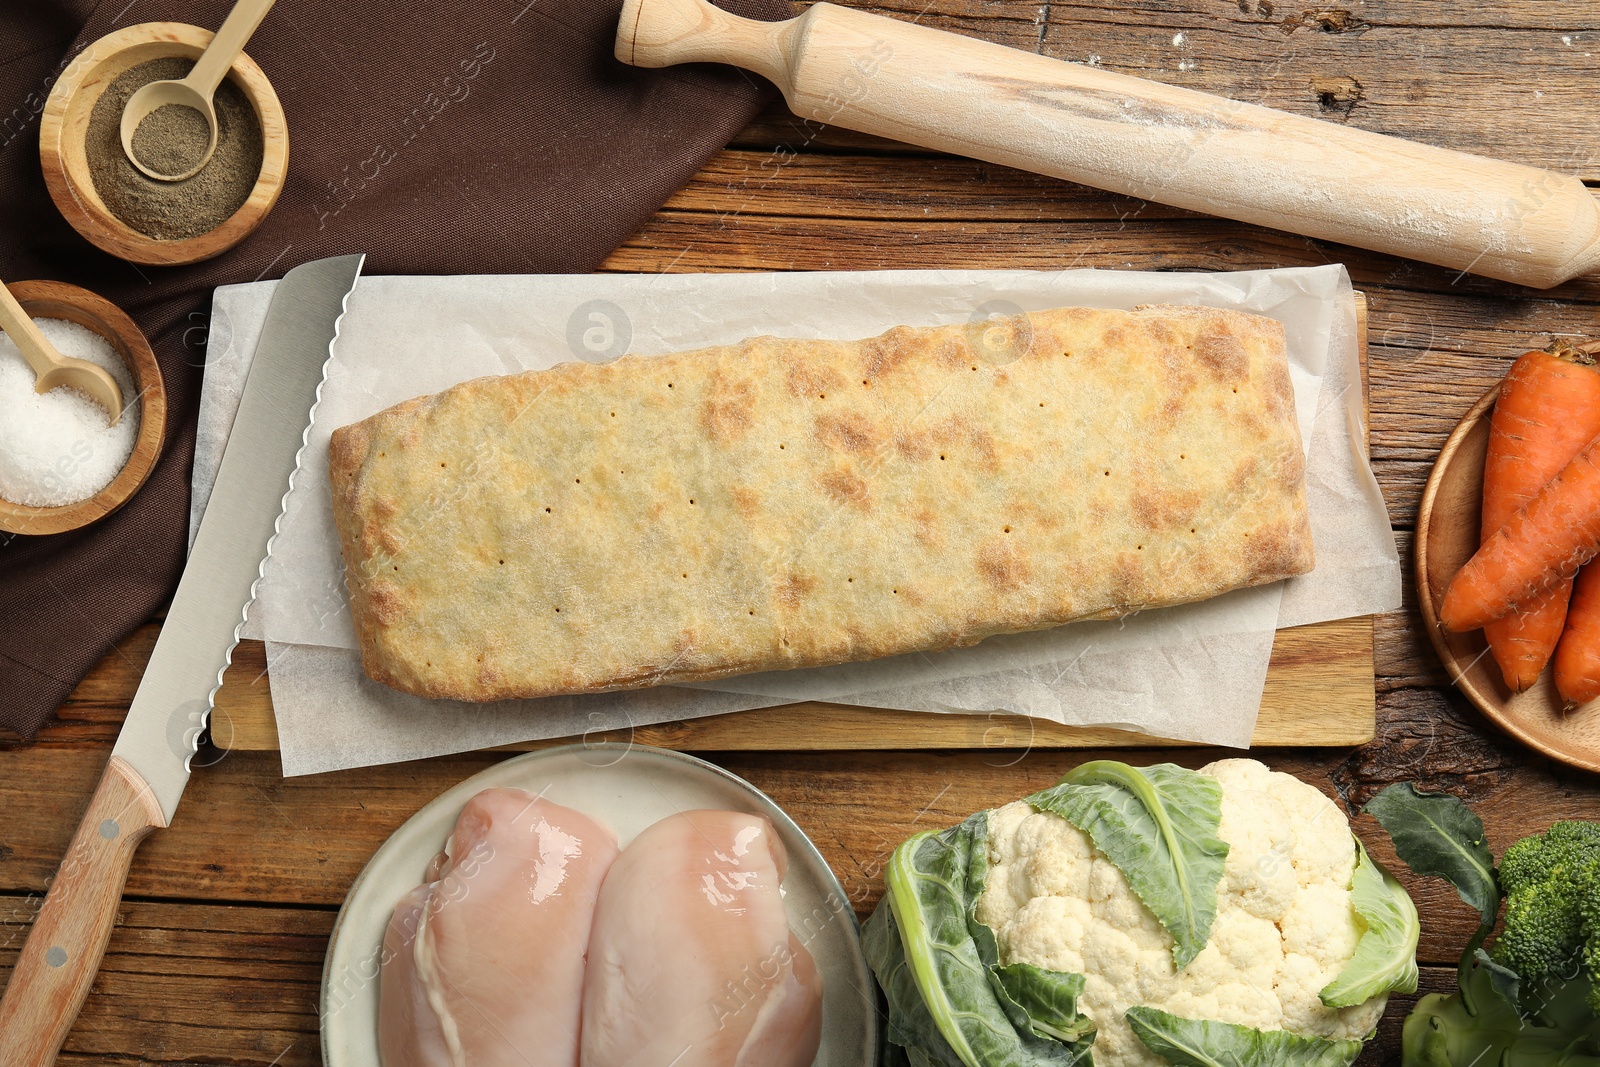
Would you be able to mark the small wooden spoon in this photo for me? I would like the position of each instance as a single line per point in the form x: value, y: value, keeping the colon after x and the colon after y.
x: 51, y: 367
x: 195, y: 89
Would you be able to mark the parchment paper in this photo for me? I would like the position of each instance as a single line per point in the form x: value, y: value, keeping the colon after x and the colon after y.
x: 1193, y: 673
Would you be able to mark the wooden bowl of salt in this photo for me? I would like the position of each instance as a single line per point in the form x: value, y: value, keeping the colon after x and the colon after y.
x: 67, y: 457
x: 118, y: 209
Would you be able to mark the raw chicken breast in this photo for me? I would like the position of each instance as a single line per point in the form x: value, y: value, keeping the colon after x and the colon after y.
x: 691, y: 962
x: 409, y: 1030
x: 493, y: 976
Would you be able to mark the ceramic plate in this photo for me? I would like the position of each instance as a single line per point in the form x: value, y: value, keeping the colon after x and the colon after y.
x: 1447, y: 535
x: 628, y: 787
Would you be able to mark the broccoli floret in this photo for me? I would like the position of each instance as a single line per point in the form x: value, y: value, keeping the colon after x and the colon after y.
x: 1589, y: 909
x: 1552, y: 922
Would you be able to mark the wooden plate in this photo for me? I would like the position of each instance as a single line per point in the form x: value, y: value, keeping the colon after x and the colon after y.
x: 1447, y: 535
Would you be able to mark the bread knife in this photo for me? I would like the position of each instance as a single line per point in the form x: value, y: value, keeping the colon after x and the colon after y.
x: 149, y: 767
x: 941, y: 90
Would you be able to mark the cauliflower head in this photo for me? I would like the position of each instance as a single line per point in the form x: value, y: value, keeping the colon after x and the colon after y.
x: 1285, y: 926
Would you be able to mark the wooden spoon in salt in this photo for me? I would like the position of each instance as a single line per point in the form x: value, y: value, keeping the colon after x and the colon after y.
x: 51, y: 368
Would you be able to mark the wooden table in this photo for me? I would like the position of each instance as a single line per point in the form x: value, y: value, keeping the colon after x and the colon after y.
x: 218, y: 953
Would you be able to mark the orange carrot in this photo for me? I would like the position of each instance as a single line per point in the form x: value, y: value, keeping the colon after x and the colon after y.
x: 1558, y: 532
x: 1578, y: 656
x: 1548, y: 409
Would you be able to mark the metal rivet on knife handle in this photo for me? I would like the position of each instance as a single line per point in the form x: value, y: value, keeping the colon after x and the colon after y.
x: 891, y: 78
x: 58, y: 963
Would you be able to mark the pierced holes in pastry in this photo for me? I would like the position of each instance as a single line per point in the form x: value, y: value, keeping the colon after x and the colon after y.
x: 441, y: 462
x: 781, y: 446
x: 669, y: 385
x: 558, y: 611
x: 1006, y: 530
x: 1108, y: 474
x: 691, y: 502
x: 577, y: 481
x: 686, y: 576
x: 824, y: 396
x: 1191, y: 529
x: 502, y: 563
x: 849, y: 579
x: 752, y: 611
x: 1139, y: 548
x: 941, y: 455
x: 547, y: 511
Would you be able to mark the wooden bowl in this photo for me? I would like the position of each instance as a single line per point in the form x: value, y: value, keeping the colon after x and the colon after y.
x: 1447, y: 535
x: 64, y: 127
x: 58, y: 300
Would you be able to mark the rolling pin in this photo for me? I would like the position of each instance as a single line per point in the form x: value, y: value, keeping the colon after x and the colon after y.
x: 1206, y: 153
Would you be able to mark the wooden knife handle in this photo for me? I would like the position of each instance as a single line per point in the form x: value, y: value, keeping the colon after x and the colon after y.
x: 58, y: 963
x: 1157, y: 142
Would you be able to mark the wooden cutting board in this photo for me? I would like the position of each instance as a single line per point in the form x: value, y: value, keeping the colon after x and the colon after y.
x: 1319, y: 692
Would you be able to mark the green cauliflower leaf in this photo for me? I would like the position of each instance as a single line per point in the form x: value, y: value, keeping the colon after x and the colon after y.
x: 1204, y: 1043
x: 1048, y: 1000
x: 1159, y: 826
x: 936, y: 964
x: 1438, y: 835
x: 1385, y: 960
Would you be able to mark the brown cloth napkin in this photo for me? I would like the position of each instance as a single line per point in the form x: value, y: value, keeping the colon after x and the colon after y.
x: 450, y: 137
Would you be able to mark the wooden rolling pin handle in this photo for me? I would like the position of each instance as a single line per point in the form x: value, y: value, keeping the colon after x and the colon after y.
x: 651, y: 34
x: 1142, y: 138
x: 58, y: 963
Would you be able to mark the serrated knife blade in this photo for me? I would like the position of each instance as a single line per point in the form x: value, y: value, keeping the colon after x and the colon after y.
x: 149, y: 766
x: 174, y: 699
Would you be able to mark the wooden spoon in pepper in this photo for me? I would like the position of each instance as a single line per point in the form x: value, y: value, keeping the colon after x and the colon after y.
x: 194, y: 90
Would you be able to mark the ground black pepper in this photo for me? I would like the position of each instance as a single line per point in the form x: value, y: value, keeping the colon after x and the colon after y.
x: 171, y: 139
x: 173, y: 210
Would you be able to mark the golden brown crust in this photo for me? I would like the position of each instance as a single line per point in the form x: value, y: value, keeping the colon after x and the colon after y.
x: 784, y: 503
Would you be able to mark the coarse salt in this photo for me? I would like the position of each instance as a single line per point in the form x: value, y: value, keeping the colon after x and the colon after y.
x: 55, y: 447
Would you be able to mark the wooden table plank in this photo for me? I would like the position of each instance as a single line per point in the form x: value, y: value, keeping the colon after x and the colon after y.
x: 194, y: 980
x: 248, y: 979
x: 245, y: 835
x: 1446, y: 72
